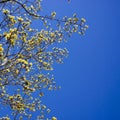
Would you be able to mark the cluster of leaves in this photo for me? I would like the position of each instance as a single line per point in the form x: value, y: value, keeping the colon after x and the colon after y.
x: 26, y: 53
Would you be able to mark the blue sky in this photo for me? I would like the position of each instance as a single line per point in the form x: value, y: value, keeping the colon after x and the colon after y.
x: 90, y: 76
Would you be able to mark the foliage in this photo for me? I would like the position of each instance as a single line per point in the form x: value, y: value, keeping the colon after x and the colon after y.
x: 27, y: 55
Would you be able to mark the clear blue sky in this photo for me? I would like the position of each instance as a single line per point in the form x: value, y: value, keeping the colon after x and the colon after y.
x: 90, y: 76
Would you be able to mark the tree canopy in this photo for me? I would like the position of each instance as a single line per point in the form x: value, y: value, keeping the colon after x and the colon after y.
x: 27, y: 54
